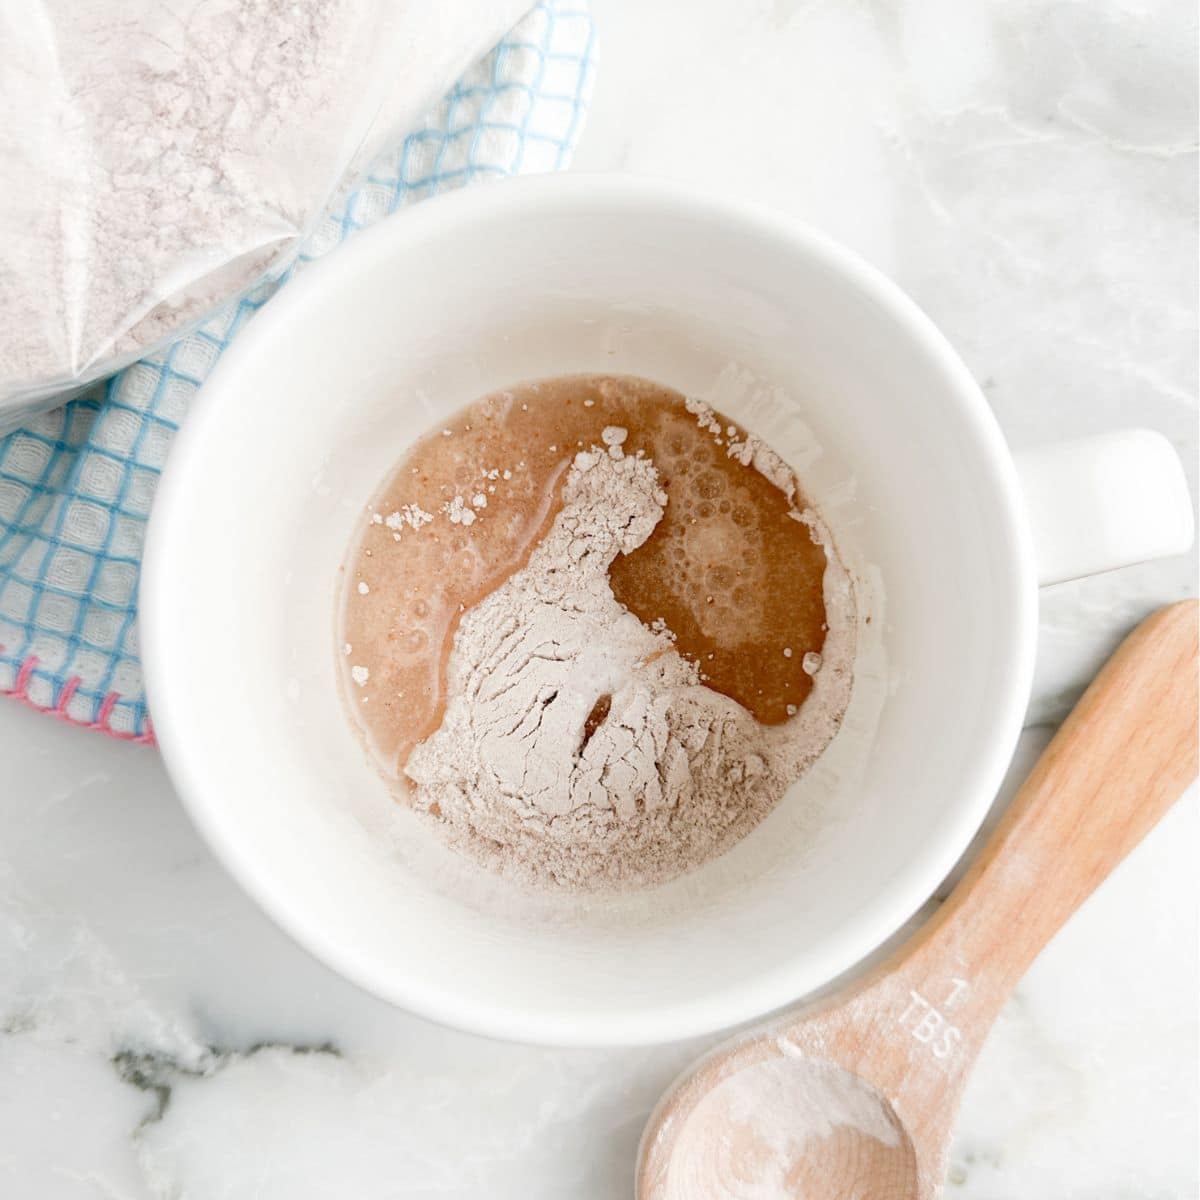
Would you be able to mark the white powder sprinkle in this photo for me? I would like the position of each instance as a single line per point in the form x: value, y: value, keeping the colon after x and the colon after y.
x: 458, y: 512
x: 479, y: 500
x: 412, y: 515
x: 363, y: 589
x: 360, y: 675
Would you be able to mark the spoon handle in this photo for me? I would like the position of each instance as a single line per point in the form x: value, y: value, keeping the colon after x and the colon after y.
x: 1124, y: 755
x: 911, y: 1030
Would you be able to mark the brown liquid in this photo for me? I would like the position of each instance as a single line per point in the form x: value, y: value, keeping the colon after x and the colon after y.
x: 732, y: 573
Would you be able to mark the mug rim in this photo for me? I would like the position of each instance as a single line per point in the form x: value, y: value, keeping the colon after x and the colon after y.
x: 911, y: 886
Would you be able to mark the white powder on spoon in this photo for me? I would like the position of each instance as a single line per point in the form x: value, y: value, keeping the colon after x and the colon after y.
x: 578, y: 746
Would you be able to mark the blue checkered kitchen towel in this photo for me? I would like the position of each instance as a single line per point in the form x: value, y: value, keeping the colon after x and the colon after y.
x: 76, y: 485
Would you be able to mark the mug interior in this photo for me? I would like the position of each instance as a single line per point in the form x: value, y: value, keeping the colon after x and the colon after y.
x: 415, y: 318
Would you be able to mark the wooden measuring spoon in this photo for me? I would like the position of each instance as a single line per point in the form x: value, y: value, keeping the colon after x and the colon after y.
x: 855, y: 1098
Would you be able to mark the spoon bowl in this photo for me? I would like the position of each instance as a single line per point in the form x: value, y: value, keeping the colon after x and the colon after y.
x: 855, y: 1098
x: 777, y: 1123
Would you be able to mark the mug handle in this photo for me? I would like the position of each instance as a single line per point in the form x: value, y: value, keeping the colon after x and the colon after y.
x: 1106, y: 501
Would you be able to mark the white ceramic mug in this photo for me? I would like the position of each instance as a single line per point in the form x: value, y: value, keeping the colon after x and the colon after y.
x: 418, y: 316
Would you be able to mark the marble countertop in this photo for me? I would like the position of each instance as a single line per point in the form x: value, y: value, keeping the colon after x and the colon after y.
x: 1028, y: 172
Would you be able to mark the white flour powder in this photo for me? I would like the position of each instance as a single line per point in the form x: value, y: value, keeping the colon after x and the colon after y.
x: 666, y: 773
x: 788, y: 1127
x: 158, y: 155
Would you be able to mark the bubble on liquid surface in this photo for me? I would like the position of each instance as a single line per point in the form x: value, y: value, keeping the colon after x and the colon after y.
x: 790, y: 1128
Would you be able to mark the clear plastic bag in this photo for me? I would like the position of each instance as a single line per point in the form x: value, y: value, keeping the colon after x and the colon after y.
x: 159, y: 156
